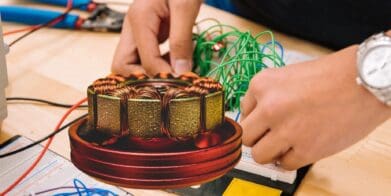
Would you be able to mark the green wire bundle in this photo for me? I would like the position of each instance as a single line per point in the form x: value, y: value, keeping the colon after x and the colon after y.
x: 239, y: 58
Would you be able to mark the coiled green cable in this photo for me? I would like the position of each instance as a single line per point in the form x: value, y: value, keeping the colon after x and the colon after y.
x: 233, y: 58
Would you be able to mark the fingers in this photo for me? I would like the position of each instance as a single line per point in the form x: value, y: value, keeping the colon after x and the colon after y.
x: 126, y: 70
x: 146, y: 20
x: 247, y: 105
x: 255, y: 90
x: 270, y: 148
x: 292, y: 160
x: 254, y: 127
x: 145, y: 26
x: 126, y: 56
x: 183, y: 14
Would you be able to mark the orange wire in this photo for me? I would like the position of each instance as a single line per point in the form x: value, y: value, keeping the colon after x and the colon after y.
x: 69, y: 6
x: 20, y: 30
x: 44, y: 150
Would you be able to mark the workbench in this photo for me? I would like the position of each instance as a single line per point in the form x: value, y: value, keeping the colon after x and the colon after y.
x: 58, y: 65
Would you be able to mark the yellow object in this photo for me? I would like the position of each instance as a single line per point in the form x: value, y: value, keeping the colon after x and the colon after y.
x: 246, y: 188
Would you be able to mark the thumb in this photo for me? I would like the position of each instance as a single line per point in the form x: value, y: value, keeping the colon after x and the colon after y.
x: 183, y: 14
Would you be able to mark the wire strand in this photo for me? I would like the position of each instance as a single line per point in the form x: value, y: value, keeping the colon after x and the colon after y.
x: 55, y: 132
x: 52, y: 103
x: 233, y: 57
x: 35, y: 28
x: 44, y: 150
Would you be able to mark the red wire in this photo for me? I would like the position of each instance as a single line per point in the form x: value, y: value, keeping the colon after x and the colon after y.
x: 69, y: 6
x: 20, y: 30
x: 44, y: 150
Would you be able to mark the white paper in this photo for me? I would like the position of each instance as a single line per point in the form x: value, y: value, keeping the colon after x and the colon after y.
x: 51, y: 172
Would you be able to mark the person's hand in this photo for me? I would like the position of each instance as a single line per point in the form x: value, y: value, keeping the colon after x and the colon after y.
x: 296, y: 115
x: 150, y: 22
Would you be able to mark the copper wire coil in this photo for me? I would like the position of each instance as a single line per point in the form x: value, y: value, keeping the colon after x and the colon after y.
x: 148, y: 92
x: 116, y: 77
x: 105, y: 81
x: 137, y: 76
x: 125, y: 92
x: 189, y: 76
x: 105, y: 88
x: 172, y: 93
x: 164, y: 90
x: 208, y: 83
x: 164, y: 75
x: 196, y: 90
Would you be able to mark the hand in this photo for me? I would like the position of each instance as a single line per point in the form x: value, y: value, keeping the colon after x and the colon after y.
x: 149, y: 23
x: 301, y: 113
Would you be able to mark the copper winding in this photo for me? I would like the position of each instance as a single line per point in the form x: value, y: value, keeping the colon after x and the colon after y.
x: 137, y: 76
x: 105, y: 89
x: 164, y: 75
x: 147, y: 92
x: 105, y: 81
x: 129, y: 92
x: 208, y: 83
x: 115, y: 85
x: 203, y: 86
x: 116, y: 77
x: 125, y: 92
x: 189, y: 77
x: 196, y: 90
x: 106, y: 85
x: 171, y: 93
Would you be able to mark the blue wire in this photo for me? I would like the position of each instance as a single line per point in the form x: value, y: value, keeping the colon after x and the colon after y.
x: 278, y: 44
x: 237, y: 117
x: 81, y: 188
x: 75, y: 182
x: 100, y: 192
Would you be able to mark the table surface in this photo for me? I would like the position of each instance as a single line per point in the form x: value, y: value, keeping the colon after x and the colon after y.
x: 58, y: 65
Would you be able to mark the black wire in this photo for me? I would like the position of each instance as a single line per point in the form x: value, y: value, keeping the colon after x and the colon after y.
x: 55, y: 132
x: 9, y: 141
x: 46, y: 24
x: 56, y: 104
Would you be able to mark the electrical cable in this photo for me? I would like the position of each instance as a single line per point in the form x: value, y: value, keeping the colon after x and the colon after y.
x: 234, y: 57
x: 112, y: 2
x: 20, y: 30
x: 94, y: 191
x: 35, y: 163
x: 54, y: 189
x: 56, y: 104
x: 9, y: 141
x: 237, y: 117
x: 55, y: 132
x: 84, y: 189
x: 35, y: 28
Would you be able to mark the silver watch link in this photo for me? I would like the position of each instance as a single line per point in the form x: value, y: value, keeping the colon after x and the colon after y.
x: 374, y: 66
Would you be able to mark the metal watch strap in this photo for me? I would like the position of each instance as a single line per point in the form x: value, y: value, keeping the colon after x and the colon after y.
x: 384, y: 95
x: 374, y: 38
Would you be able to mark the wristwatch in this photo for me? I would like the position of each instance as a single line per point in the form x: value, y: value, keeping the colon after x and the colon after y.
x: 374, y: 66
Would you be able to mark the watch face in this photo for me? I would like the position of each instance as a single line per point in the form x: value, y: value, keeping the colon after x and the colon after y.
x: 376, y: 67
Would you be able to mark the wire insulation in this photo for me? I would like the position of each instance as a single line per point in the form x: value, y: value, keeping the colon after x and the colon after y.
x: 55, y: 132
x: 35, y: 28
x: 52, y: 103
x: 35, y: 163
x: 233, y: 57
